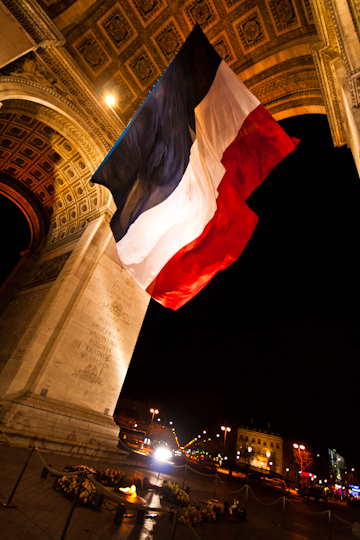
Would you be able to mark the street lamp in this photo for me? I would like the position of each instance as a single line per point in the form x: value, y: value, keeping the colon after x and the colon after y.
x: 299, y: 457
x: 225, y: 430
x: 153, y: 412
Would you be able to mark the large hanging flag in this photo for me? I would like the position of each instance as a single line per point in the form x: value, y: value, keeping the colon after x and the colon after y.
x: 182, y: 170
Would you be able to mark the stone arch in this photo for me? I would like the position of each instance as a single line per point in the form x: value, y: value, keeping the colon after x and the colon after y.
x: 66, y: 159
x: 22, y: 197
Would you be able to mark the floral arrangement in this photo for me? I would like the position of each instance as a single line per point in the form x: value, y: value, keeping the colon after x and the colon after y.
x: 171, y: 492
x: 74, y: 468
x: 194, y: 516
x: 112, y: 478
x: 68, y: 486
x: 208, y: 513
x: 191, y: 516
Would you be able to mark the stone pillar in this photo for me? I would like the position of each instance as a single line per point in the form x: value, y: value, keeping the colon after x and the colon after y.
x: 337, y: 60
x: 63, y: 379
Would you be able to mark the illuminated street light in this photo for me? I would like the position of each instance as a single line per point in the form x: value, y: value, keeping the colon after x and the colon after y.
x: 299, y: 454
x: 163, y: 454
x: 110, y: 100
x: 153, y: 412
x: 226, y: 430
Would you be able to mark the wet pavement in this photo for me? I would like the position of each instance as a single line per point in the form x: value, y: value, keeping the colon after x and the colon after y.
x: 40, y: 512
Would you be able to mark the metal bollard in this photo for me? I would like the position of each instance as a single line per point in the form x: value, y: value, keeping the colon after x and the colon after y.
x: 99, y: 499
x: 9, y: 504
x: 44, y: 473
x: 172, y: 514
x: 119, y: 515
x: 140, y: 517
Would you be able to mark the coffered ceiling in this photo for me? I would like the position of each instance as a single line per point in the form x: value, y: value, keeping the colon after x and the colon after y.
x: 81, y: 50
x: 123, y: 46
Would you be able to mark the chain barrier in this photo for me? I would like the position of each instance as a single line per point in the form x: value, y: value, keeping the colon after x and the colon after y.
x: 307, y: 511
x: 201, y: 474
x: 342, y: 519
x: 227, y: 489
x: 10, y: 443
x: 263, y: 503
x: 111, y: 498
x: 52, y: 471
x: 192, y: 530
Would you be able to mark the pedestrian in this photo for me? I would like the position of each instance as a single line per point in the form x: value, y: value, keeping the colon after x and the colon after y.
x: 307, y: 494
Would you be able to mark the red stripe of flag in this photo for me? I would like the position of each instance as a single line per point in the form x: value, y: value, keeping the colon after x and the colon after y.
x: 260, y: 145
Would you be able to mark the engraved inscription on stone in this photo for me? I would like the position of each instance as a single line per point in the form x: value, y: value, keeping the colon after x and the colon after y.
x: 105, y: 333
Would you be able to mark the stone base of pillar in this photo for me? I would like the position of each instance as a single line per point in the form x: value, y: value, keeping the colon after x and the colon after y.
x: 55, y: 426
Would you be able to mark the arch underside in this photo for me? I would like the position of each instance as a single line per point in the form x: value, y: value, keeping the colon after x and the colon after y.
x: 42, y: 151
x: 55, y: 128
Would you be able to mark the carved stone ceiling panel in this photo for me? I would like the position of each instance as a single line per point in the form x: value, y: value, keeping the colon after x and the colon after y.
x: 38, y: 156
x: 123, y: 46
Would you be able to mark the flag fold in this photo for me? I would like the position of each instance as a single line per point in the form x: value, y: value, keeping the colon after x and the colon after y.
x: 182, y: 170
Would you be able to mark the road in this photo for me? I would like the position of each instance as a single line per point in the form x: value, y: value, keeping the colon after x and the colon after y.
x: 268, y: 507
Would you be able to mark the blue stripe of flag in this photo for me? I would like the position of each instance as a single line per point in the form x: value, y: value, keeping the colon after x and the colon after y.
x: 149, y: 159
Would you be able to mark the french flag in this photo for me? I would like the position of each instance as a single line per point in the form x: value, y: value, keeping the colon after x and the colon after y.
x: 182, y: 170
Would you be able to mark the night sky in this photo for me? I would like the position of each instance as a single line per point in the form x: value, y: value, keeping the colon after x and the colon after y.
x: 275, y: 337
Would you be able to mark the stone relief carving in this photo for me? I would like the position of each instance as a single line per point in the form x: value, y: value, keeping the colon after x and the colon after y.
x: 201, y: 12
x: 89, y: 374
x: 293, y: 82
x: 148, y: 9
x: 47, y: 271
x: 118, y: 29
x: 35, y: 23
x: 230, y: 5
x: 92, y: 53
x: 30, y: 67
x: 308, y: 13
x: 294, y: 103
x: 354, y: 80
x: 284, y: 15
x: 222, y: 46
x: 169, y: 40
x: 325, y: 52
x: 143, y: 68
x: 116, y: 311
x: 354, y: 6
x: 281, y: 67
x: 251, y: 30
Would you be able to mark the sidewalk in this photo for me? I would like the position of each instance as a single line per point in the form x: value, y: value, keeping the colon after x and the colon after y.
x: 41, y: 512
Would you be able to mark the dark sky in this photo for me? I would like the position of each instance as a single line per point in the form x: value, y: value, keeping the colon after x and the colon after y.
x: 275, y: 337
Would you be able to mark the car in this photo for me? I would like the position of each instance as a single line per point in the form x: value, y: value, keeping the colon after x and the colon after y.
x: 353, y: 502
x: 313, y: 493
x: 256, y: 475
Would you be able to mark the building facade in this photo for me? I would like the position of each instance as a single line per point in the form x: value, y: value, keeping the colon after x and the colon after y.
x: 258, y: 448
